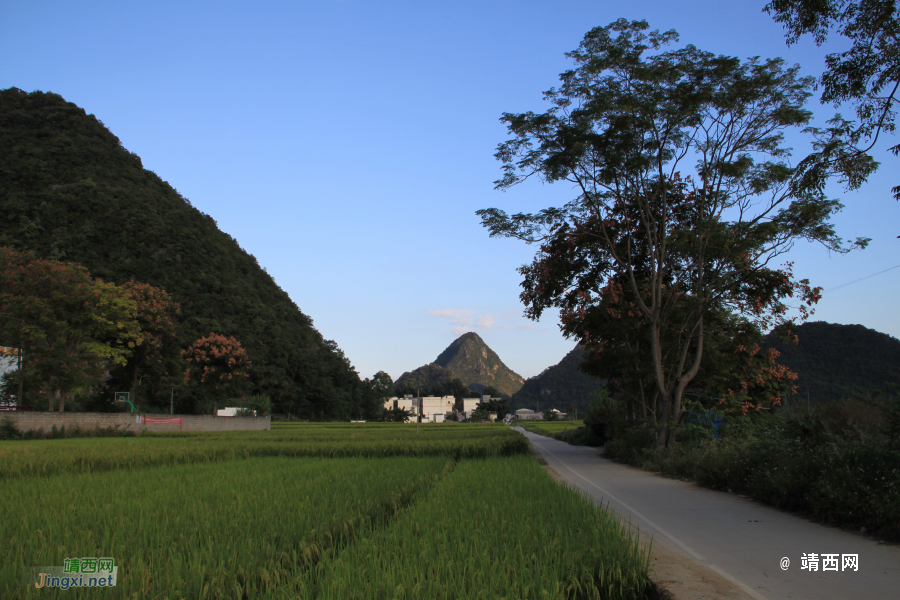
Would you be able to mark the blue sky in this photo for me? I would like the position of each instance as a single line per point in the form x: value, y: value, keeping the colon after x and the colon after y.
x: 347, y: 145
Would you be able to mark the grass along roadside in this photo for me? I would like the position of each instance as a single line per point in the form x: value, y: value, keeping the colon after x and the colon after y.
x: 571, y: 432
x: 484, y: 532
x: 547, y: 428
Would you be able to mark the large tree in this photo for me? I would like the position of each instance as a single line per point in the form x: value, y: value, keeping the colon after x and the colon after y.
x: 684, y: 195
x: 156, y: 314
x: 73, y: 327
x: 866, y: 75
x: 216, y: 363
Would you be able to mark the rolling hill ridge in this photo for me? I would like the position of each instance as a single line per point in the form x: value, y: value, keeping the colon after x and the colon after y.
x: 834, y: 361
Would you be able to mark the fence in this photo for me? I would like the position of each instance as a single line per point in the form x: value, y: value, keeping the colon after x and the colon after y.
x: 45, y: 421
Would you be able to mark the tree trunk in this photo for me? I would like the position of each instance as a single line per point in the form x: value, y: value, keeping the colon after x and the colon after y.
x: 62, y: 399
x: 134, y: 383
x: 20, y: 395
x: 662, y: 437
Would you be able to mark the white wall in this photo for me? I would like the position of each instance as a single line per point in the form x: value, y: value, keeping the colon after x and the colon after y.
x: 7, y: 363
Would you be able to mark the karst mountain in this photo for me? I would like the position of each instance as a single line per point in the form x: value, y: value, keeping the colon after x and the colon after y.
x: 471, y: 360
x: 70, y: 191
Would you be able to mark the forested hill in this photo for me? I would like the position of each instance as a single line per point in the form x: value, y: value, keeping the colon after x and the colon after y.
x: 70, y: 191
x: 561, y: 386
x: 833, y: 360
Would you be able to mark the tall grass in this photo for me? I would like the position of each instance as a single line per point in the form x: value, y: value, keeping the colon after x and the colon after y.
x: 498, y: 528
x: 251, y: 528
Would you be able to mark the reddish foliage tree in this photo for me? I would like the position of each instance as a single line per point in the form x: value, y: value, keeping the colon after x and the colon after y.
x: 72, y: 326
x: 214, y: 361
x: 156, y: 312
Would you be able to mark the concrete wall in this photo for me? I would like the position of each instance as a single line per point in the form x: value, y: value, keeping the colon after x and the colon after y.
x: 45, y: 420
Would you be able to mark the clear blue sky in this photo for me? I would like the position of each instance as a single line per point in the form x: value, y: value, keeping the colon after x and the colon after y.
x: 347, y: 145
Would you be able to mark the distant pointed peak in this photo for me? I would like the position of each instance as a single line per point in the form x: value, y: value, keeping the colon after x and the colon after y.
x: 469, y: 335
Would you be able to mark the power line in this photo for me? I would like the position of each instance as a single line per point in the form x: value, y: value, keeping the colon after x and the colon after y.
x: 860, y: 279
x: 837, y: 287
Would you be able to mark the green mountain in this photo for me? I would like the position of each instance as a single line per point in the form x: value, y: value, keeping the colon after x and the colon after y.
x: 560, y: 386
x: 70, y: 191
x: 833, y: 360
x: 425, y: 377
x: 471, y: 360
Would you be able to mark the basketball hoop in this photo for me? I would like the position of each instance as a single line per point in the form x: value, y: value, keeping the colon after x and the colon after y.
x: 124, y: 397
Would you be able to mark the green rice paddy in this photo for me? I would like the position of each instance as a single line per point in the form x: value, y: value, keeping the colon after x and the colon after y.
x: 310, y: 511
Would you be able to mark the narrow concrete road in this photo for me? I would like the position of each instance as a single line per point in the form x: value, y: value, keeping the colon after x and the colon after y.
x: 738, y: 539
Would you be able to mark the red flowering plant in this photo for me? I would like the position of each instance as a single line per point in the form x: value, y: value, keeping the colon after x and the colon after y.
x: 216, y: 362
x: 156, y: 312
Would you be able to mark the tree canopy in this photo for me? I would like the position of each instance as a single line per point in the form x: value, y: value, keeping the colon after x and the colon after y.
x: 866, y: 75
x: 70, y: 325
x: 685, y: 199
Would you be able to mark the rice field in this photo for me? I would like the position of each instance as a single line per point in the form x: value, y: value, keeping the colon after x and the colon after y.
x: 548, y: 427
x: 311, y: 511
x: 40, y: 458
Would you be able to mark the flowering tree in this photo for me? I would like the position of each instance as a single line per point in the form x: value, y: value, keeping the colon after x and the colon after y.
x: 683, y: 252
x: 156, y: 313
x: 72, y: 325
x: 215, y: 362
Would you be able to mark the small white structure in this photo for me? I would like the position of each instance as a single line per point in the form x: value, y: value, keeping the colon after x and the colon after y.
x: 230, y: 411
x: 8, y: 359
x: 470, y: 404
x: 526, y: 414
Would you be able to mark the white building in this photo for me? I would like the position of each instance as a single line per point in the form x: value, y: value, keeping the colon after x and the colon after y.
x: 470, y: 404
x: 433, y: 408
x: 8, y: 359
x: 528, y: 414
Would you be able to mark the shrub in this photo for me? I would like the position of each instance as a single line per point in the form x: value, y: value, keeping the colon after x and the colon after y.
x: 579, y: 436
x: 633, y: 446
x: 605, y: 416
x: 8, y: 429
x: 804, y: 462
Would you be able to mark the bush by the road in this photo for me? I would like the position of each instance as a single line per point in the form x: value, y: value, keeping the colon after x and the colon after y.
x: 834, y: 463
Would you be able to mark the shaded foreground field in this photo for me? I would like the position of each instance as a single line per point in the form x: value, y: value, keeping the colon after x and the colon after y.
x: 312, y: 511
